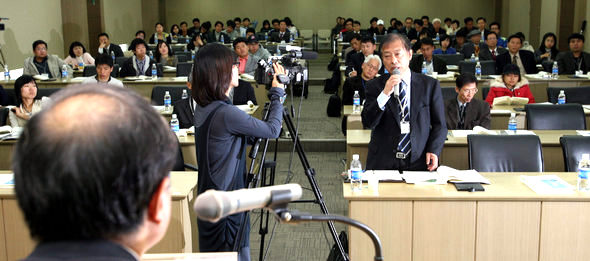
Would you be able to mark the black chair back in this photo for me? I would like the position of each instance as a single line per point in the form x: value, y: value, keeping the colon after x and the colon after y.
x: 120, y: 60
x: 261, y: 36
x: 555, y: 117
x: 4, y: 115
x: 182, y: 57
x: 505, y: 153
x: 547, y: 66
x: 46, y: 92
x: 451, y: 59
x: 448, y: 93
x: 573, y: 147
x: 10, y: 97
x: 184, y: 40
x: 177, y: 48
x: 484, y: 92
x: 380, y: 39
x: 579, y: 95
x: 175, y: 93
x: 183, y: 69
x: 487, y: 67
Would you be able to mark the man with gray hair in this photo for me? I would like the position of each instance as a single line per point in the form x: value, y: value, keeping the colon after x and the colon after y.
x: 371, y: 67
x: 405, y: 112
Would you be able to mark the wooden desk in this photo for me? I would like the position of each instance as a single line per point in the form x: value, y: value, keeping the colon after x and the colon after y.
x: 506, y: 222
x: 455, y: 152
x: 181, y: 236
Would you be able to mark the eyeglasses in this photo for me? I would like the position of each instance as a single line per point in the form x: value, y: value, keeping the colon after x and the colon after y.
x: 469, y: 90
x: 374, y: 68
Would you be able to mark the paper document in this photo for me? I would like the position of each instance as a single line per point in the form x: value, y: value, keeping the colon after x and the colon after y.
x: 462, y: 176
x: 383, y: 175
x: 583, y: 133
x: 547, y: 184
x: 507, y: 100
x: 424, y: 177
x: 493, y: 111
x: 519, y: 132
x: 6, y: 180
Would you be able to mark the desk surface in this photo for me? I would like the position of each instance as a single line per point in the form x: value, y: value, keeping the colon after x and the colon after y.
x: 504, y: 186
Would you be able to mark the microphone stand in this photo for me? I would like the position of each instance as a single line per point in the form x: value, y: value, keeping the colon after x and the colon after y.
x: 279, y: 208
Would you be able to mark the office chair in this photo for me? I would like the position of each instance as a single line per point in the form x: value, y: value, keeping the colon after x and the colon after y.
x: 555, y: 117
x: 573, y: 147
x: 505, y: 153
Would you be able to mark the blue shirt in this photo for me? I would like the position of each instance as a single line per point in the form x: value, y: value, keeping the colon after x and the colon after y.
x: 450, y: 50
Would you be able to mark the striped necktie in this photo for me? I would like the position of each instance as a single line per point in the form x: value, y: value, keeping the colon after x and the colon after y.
x: 461, y: 124
x: 404, y: 143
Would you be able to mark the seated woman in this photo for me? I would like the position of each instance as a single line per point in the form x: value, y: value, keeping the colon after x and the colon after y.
x: 160, y: 35
x: 548, y: 49
x: 25, y: 90
x: 445, y: 46
x: 196, y: 42
x: 265, y: 27
x: 371, y: 66
x: 164, y: 55
x: 78, y: 55
x: 174, y: 32
x: 510, y: 84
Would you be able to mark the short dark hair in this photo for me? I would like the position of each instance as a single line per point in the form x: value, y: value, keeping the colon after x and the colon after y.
x: 230, y: 23
x: 392, y: 20
x: 102, y: 34
x: 239, y: 40
x: 356, y: 36
x: 196, y: 20
x: 246, y: 19
x: 275, y: 21
x: 468, y: 19
x: 493, y: 34
x: 137, y: 42
x: 443, y: 37
x: 409, y: 18
x: 158, y: 23
x: 374, y: 19
x: 390, y: 38
x: 464, y: 79
x: 158, y: 55
x: 448, y: 19
x: 514, y: 36
x: 575, y: 36
x: 97, y: 184
x: 418, y: 22
x: 265, y: 22
x: 456, y: 22
x: 356, y: 22
x: 349, y: 20
x: 206, y: 25
x: 237, y: 19
x: 425, y: 17
x: 183, y: 22
x: 368, y: 39
x: 212, y: 72
x: 103, y: 59
x: 481, y: 18
x: 140, y: 32
x: 495, y: 23
x: 18, y: 85
x: 38, y: 42
x: 250, y: 30
x: 75, y: 44
x: 521, y: 35
x: 218, y: 22
x: 426, y: 41
x: 283, y: 21
x: 288, y: 21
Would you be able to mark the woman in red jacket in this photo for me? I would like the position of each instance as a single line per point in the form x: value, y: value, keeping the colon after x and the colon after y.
x: 510, y: 84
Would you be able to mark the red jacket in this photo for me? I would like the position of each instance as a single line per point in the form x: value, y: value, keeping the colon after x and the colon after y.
x: 499, y: 89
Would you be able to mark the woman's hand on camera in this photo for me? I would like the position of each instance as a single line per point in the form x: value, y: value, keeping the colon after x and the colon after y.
x: 278, y: 70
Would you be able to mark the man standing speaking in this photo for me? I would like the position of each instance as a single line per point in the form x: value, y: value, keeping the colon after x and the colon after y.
x: 405, y: 112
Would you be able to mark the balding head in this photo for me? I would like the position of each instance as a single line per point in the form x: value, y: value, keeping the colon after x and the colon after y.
x: 90, y: 164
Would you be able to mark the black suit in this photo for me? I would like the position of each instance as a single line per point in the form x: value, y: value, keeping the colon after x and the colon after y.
x: 127, y: 68
x: 356, y: 63
x: 527, y: 58
x: 477, y: 113
x: 469, y: 49
x: 439, y: 65
x: 413, y: 34
x: 244, y: 93
x: 567, y: 64
x: 352, y: 84
x: 276, y: 36
x: 211, y: 38
x: 184, y: 112
x: 80, y: 250
x: 427, y: 122
x: 115, y: 49
x: 485, y: 53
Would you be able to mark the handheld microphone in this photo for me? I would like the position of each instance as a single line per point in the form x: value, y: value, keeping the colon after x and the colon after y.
x: 214, y: 205
x: 396, y: 87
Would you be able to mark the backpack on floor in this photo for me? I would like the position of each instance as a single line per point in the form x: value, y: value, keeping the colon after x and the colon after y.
x: 334, y: 105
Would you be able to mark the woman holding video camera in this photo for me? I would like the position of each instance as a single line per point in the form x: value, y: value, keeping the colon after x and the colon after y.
x: 221, y: 133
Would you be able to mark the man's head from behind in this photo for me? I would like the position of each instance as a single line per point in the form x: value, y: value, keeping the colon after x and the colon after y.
x: 95, y: 165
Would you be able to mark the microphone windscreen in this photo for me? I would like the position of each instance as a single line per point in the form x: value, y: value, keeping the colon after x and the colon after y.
x: 396, y: 71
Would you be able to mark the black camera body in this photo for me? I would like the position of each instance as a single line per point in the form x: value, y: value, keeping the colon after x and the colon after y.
x: 296, y: 72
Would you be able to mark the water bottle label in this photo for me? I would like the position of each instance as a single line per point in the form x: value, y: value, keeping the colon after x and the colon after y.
x: 154, y: 72
x: 167, y: 102
x: 7, y: 75
x: 175, y: 128
x: 355, y: 174
x: 477, y: 71
x: 583, y: 174
x: 555, y: 71
x: 561, y: 101
x: 356, y: 101
x: 512, y: 126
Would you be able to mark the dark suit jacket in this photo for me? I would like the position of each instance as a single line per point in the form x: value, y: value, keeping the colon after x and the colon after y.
x: 276, y: 37
x: 567, y: 64
x: 244, y: 93
x: 80, y: 250
x: 427, y: 121
x: 439, y: 65
x: 486, y: 54
x: 211, y: 37
x: 350, y: 85
x: 127, y: 69
x: 477, y: 113
x: 413, y: 34
x: 115, y: 48
x: 184, y: 112
x: 527, y: 59
x: 469, y: 48
x: 356, y: 62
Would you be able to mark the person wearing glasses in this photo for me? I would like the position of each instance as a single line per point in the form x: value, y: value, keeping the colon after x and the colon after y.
x: 42, y: 63
x: 466, y: 112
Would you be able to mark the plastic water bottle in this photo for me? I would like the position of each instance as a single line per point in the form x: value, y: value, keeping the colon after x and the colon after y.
x: 356, y: 102
x: 221, y: 39
x: 156, y: 40
x: 375, y: 37
x: 424, y: 68
x: 555, y: 71
x: 583, y: 172
x: 64, y: 72
x: 278, y: 50
x: 154, y: 71
x: 266, y: 36
x: 174, y: 124
x: 113, y: 55
x: 340, y: 36
x: 193, y: 55
x: 151, y: 54
x: 437, y: 37
x: 473, y: 57
x: 184, y: 94
x: 561, y: 97
x: 478, y: 70
x: 167, y: 101
x: 512, y: 123
x: 292, y: 37
x: 187, y: 41
x: 6, y: 73
x: 356, y: 172
x: 186, y: 48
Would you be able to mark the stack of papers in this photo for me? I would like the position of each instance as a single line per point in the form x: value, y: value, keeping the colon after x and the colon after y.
x: 547, y: 184
x: 443, y: 175
x: 383, y: 175
x: 507, y: 100
x: 519, y: 132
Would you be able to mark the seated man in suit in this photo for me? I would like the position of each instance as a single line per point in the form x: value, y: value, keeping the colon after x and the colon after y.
x: 491, y: 50
x: 217, y: 35
x: 481, y: 27
x: 41, y: 63
x: 97, y: 187
x: 356, y: 29
x: 248, y: 63
x: 106, y: 47
x: 576, y: 59
x: 368, y: 47
x: 473, y: 46
x: 355, y: 47
x: 414, y: 34
x: 104, y: 68
x: 282, y: 34
x: 371, y: 65
x: 139, y: 63
x: 525, y: 60
x: 466, y: 112
x: 433, y: 63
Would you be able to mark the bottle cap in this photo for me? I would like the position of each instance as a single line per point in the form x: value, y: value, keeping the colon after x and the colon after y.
x: 167, y: 92
x: 356, y: 156
x: 173, y: 116
x: 512, y: 114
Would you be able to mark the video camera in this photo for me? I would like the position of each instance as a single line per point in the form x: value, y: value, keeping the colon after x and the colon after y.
x: 296, y: 72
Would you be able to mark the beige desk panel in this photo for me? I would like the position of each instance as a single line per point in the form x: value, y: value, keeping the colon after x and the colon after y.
x: 3, y: 254
x: 565, y: 231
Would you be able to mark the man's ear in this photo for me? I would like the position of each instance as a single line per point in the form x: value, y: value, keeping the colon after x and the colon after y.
x: 160, y: 199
